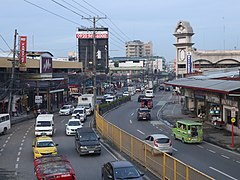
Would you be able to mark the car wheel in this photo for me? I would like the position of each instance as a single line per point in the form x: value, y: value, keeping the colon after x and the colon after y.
x: 4, y: 131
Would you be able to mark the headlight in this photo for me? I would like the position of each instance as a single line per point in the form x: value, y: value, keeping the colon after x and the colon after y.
x: 83, y: 147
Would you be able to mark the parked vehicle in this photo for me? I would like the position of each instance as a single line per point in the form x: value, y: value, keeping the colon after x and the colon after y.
x: 160, y: 143
x: 66, y: 110
x: 120, y: 170
x: 188, y: 131
x: 5, y: 123
x: 87, y: 141
x: 143, y: 114
x: 80, y: 113
x: 87, y: 100
x: 110, y: 99
x: 43, y: 145
x: 146, y: 102
x: 72, y: 125
x: 44, y: 125
x: 149, y: 93
x: 54, y: 168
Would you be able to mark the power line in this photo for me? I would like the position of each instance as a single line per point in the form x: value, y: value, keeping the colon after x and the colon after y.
x: 84, y: 7
x: 5, y: 42
x: 76, y: 8
x: 52, y: 12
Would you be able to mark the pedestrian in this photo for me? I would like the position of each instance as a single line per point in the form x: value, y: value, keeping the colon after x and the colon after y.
x: 28, y: 110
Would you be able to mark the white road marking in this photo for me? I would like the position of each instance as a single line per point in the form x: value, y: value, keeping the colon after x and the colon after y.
x: 20, y: 148
x: 223, y: 173
x: 211, y: 151
x: 200, y: 146
x: 16, y: 166
x: 130, y: 121
x: 109, y: 151
x: 174, y: 149
x: 23, y: 140
x: 62, y: 120
x: 225, y: 156
x: 19, y: 153
x: 6, y: 141
x: 26, y: 134
x: 18, y: 159
x: 24, y: 137
x: 1, y: 150
x: 21, y: 144
x: 140, y: 132
x: 9, y: 137
x: 4, y: 145
x: 132, y: 114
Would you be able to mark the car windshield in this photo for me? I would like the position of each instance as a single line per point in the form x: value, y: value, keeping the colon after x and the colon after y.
x: 88, y: 137
x: 144, y: 111
x: 65, y: 107
x: 74, y: 123
x: 162, y: 140
x: 43, y: 123
x: 45, y: 144
x: 80, y: 111
x: 126, y: 173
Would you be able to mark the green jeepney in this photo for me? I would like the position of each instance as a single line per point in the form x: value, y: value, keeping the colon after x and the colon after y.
x: 188, y: 131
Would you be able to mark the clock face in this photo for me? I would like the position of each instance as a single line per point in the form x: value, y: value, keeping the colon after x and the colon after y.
x: 182, y: 54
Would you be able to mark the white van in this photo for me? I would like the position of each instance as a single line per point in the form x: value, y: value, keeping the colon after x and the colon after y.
x: 149, y: 93
x: 44, y: 125
x: 5, y: 123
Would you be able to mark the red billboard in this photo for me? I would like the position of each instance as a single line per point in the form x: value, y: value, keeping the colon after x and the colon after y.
x: 23, y: 49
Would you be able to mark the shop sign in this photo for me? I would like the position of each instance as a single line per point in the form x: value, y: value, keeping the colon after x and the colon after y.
x: 38, y: 99
x: 213, y: 99
x: 229, y: 102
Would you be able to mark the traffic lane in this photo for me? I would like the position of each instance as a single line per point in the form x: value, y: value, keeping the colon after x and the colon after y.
x: 141, y: 130
x: 87, y: 167
x: 13, y: 158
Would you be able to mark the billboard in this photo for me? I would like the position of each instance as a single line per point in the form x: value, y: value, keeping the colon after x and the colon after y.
x: 85, y: 48
x: 23, y: 49
x: 189, y: 63
x: 45, y: 64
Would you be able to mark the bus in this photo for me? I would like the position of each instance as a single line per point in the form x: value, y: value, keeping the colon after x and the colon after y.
x: 5, y: 123
x: 188, y: 131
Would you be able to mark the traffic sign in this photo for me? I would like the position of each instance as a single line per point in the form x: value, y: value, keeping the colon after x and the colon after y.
x: 233, y: 112
x: 233, y: 120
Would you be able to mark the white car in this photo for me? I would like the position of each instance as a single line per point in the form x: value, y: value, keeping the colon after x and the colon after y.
x: 72, y: 126
x: 66, y: 110
x: 87, y: 107
x: 80, y: 113
x: 110, y: 99
x: 126, y: 93
x: 160, y: 143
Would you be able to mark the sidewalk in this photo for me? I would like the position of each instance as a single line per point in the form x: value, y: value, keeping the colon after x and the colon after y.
x: 220, y: 137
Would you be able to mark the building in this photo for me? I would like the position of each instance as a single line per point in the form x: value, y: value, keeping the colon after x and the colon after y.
x: 138, y: 48
x: 189, y: 60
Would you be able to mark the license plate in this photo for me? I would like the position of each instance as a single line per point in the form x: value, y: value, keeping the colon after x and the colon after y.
x: 91, y: 151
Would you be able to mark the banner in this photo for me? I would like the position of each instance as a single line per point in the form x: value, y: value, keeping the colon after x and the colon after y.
x: 23, y: 49
x: 46, y: 64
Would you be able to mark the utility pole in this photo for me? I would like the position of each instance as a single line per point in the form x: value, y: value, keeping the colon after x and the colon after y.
x: 12, y: 75
x: 94, y: 19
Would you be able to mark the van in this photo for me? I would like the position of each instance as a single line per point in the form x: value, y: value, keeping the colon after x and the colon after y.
x: 44, y: 125
x: 149, y: 93
x: 188, y: 131
x: 87, y: 141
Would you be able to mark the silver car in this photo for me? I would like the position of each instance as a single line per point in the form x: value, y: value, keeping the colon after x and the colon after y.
x: 66, y: 110
x: 160, y: 143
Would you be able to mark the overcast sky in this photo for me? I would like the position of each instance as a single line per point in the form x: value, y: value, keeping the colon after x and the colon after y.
x: 215, y: 23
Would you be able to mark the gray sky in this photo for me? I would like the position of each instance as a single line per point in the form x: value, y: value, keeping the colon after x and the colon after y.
x: 215, y: 23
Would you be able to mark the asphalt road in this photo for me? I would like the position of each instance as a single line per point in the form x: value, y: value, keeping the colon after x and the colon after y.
x: 212, y: 160
x: 16, y: 154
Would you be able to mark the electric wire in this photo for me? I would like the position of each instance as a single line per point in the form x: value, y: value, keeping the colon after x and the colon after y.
x: 76, y: 8
x: 5, y: 42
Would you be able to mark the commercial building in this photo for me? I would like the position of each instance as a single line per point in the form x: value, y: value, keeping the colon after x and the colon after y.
x: 138, y: 48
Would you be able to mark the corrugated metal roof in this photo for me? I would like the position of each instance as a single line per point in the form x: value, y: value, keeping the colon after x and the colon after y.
x: 221, y: 86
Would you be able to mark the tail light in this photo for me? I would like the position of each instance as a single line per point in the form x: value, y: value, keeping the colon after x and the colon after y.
x: 155, y: 143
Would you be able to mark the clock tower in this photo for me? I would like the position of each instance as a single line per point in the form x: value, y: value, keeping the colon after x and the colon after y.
x: 183, y: 33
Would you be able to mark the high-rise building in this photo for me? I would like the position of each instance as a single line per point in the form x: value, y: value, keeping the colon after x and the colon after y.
x: 138, y: 48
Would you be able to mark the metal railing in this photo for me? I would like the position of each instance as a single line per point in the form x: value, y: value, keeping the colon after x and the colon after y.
x: 161, y: 165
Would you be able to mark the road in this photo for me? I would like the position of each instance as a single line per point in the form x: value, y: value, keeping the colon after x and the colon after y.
x: 16, y: 156
x: 212, y: 160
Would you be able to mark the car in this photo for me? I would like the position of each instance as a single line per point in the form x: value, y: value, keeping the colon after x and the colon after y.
x: 80, y: 113
x: 143, y: 114
x: 110, y: 99
x: 87, y: 107
x: 72, y: 125
x: 126, y: 93
x: 54, y: 168
x: 87, y: 141
x: 140, y: 97
x: 149, y: 93
x: 160, y: 143
x: 161, y: 87
x: 121, y: 170
x: 44, y: 145
x: 66, y: 110
x: 138, y: 89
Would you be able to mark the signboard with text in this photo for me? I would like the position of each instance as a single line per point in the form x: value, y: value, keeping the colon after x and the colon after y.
x: 45, y: 64
x: 189, y: 63
x: 23, y: 49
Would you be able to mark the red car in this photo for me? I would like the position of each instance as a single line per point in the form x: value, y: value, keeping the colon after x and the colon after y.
x: 54, y: 168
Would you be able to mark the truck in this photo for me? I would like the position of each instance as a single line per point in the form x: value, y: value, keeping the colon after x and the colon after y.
x: 87, y: 101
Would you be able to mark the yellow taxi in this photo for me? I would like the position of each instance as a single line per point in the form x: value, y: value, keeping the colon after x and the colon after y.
x: 43, y: 145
